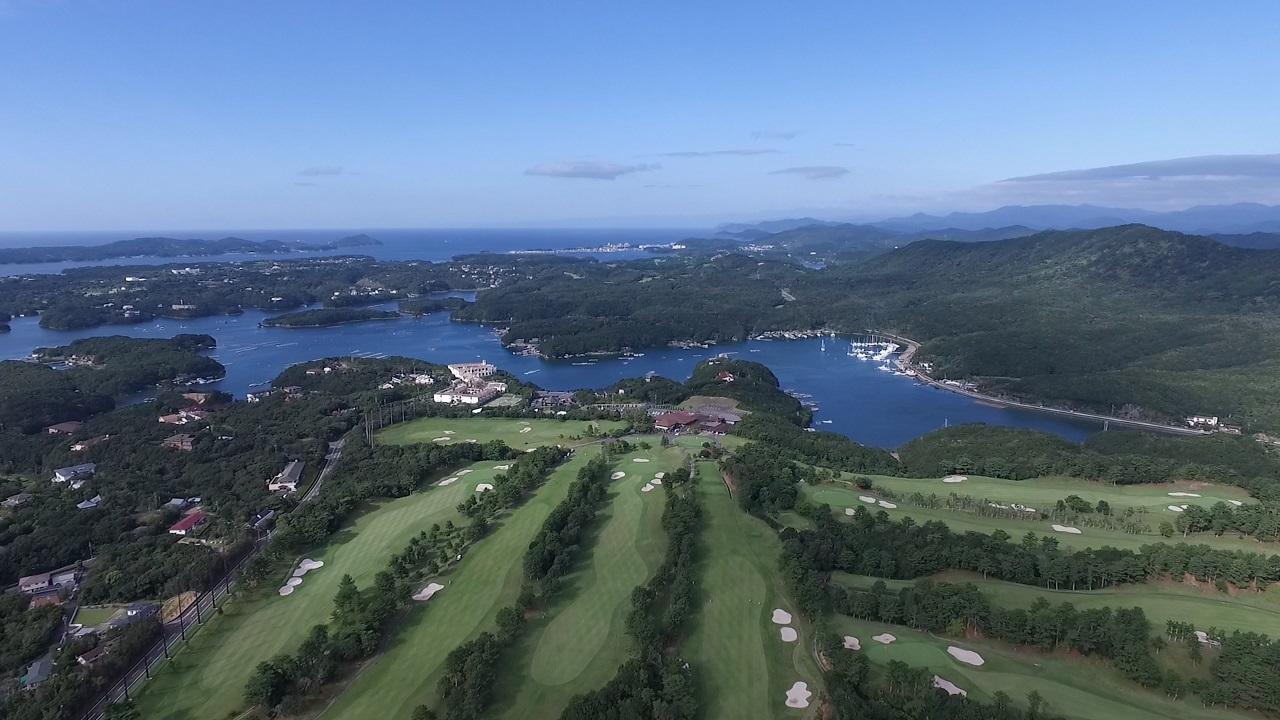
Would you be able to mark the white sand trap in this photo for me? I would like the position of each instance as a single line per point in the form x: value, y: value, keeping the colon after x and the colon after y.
x: 850, y: 512
x: 954, y: 479
x: 655, y: 481
x: 640, y: 460
x: 884, y: 638
x: 306, y: 566
x: 426, y: 592
x: 501, y: 467
x: 798, y: 696
x: 286, y: 591
x: 949, y: 686
x: 886, y: 504
x: 465, y: 472
x: 1066, y: 529
x: 449, y: 432
x: 788, y: 634
x: 1175, y: 508
x: 471, y: 440
x: 1022, y: 508
x: 531, y: 450
x: 660, y: 476
x: 293, y: 581
x: 1237, y: 503
x: 447, y: 482
x: 439, y: 439
x: 1183, y: 494
x: 484, y: 487
x: 647, y: 487
x: 852, y: 643
x: 966, y: 656
x: 618, y: 475
x: 867, y: 499
x: 781, y: 617
x: 526, y: 429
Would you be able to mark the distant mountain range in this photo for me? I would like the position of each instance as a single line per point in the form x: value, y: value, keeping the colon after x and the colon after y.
x: 172, y: 247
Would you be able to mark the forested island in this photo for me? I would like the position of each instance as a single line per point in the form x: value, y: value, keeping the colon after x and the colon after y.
x: 326, y: 317
x: 171, y: 247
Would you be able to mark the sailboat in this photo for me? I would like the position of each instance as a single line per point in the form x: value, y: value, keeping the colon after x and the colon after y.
x: 824, y: 344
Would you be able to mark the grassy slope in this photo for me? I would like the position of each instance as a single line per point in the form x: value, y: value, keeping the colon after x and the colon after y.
x: 543, y: 432
x: 1074, y: 687
x: 1253, y: 612
x: 206, y: 679
x: 405, y: 674
x: 744, y: 669
x: 838, y: 497
x: 579, y: 644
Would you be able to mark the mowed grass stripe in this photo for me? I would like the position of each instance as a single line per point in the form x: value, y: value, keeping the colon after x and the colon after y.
x: 743, y: 667
x: 488, y: 578
x: 1082, y: 688
x: 581, y: 642
x: 206, y: 679
x: 517, y: 433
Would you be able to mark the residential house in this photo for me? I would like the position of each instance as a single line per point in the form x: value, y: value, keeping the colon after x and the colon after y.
x: 86, y: 444
x: 48, y: 598
x: 461, y: 393
x: 189, y: 525
x: 287, y: 479
x: 199, y: 398
x: 472, y: 372
x: 89, y: 504
x: 131, y: 614
x: 14, y: 501
x: 667, y: 422
x: 64, y: 428
x: 91, y: 657
x: 176, y: 504
x: 186, y: 416
x: 37, y: 673
x: 182, y: 441
x: 32, y: 584
x: 74, y: 473
x: 725, y: 376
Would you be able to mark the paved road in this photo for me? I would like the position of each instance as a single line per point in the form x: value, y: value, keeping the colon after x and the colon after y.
x: 330, y: 462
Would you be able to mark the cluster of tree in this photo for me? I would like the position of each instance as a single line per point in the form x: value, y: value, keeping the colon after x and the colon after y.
x: 553, y: 550
x: 35, y: 396
x: 1257, y: 520
x: 325, y: 317
x: 655, y: 684
x: 873, y: 544
x: 511, y: 487
x: 115, y: 364
x: 827, y: 449
x: 158, y: 566
x: 25, y: 632
x: 1122, y: 635
x: 168, y: 247
x: 764, y: 482
x: 425, y: 305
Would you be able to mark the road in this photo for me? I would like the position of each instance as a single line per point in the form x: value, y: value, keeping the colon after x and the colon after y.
x: 330, y: 462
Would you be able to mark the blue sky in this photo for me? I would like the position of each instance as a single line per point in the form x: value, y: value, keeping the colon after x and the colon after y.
x: 138, y: 115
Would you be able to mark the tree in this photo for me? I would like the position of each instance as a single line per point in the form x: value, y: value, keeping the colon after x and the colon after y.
x: 123, y: 710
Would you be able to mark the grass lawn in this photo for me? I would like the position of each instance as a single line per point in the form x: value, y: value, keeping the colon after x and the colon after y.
x: 840, y: 496
x: 405, y: 674
x: 1074, y: 687
x: 515, y: 432
x: 206, y: 679
x: 1255, y: 612
x: 743, y: 667
x: 91, y: 616
x: 580, y: 643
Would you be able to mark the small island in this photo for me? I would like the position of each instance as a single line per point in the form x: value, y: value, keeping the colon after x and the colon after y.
x: 328, y: 317
x: 173, y: 247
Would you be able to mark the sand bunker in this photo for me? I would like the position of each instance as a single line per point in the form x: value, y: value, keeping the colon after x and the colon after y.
x: 447, y: 482
x: 286, y: 591
x: 647, y: 487
x: 966, y: 656
x: 306, y: 566
x: 781, y: 617
x: 1183, y: 494
x: 618, y: 475
x: 867, y: 499
x: 501, y: 467
x: 660, y: 475
x: 1176, y: 508
x: 884, y: 638
x: 640, y: 460
x: 449, y: 432
x: 484, y: 487
x: 850, y: 512
x: 1022, y: 508
x: 789, y: 634
x: 439, y: 439
x: 465, y: 472
x: 426, y: 592
x: 954, y: 479
x: 471, y: 440
x: 293, y: 581
x: 1237, y: 503
x: 852, y: 643
x: 526, y: 429
x: 655, y: 481
x: 798, y: 696
x: 1066, y: 529
x: 886, y: 504
x: 949, y: 686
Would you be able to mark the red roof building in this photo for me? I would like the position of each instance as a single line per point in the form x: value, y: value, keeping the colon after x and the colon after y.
x: 189, y: 525
x: 674, y: 420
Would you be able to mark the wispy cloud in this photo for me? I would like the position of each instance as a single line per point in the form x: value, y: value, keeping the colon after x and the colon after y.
x: 845, y: 144
x: 814, y: 172
x: 323, y: 170
x: 774, y: 134
x: 1205, y: 166
x: 588, y: 169
x: 716, y: 153
x: 306, y: 184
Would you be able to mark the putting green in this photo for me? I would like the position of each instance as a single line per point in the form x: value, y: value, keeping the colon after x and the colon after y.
x: 405, y: 674
x: 743, y: 667
x: 1073, y: 687
x: 580, y: 643
x: 839, y: 496
x: 1247, y: 612
x: 517, y: 433
x: 206, y: 679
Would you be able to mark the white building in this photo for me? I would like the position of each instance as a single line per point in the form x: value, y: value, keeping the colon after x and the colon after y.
x: 75, y: 472
x: 464, y: 394
x: 472, y: 372
x: 1203, y: 421
x: 288, y: 478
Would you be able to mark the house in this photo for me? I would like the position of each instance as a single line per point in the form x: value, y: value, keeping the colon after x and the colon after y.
x: 715, y: 427
x: 421, y: 379
x: 86, y: 444
x: 181, y: 441
x: 287, y: 479
x: 66, y: 577
x: 461, y: 393
x: 32, y: 584
x: 549, y: 399
x: 37, y: 673
x: 674, y: 420
x: 186, y: 416
x: 90, y: 503
x: 189, y: 525
x: 89, y: 657
x: 1204, y: 422
x: 74, y: 472
x: 49, y: 598
x: 18, y: 500
x: 199, y: 398
x: 176, y: 504
x: 472, y: 372
x: 130, y: 615
x: 725, y: 376
x: 69, y: 427
x: 263, y: 520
